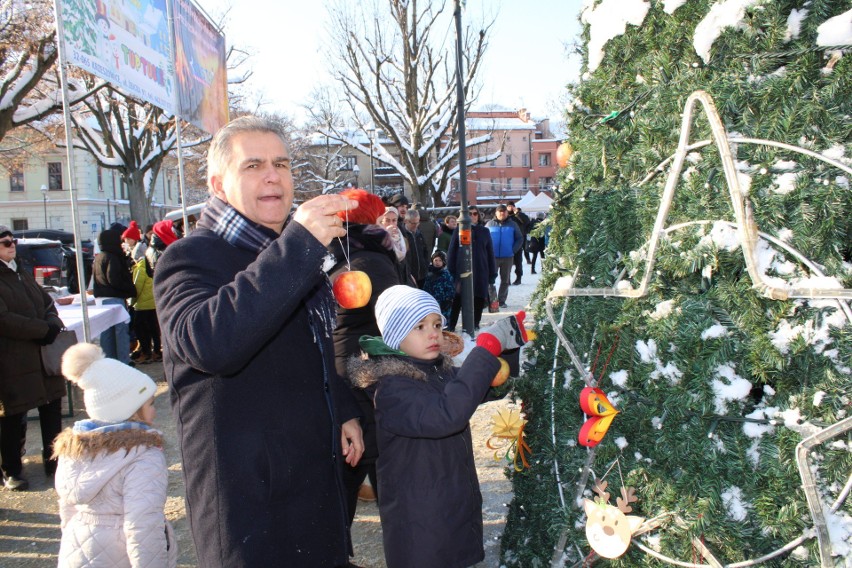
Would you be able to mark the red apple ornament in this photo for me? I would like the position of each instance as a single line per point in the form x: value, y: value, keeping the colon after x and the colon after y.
x: 352, y: 289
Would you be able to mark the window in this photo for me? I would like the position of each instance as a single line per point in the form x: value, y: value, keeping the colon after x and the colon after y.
x: 525, y: 160
x: 20, y: 224
x: 544, y: 159
x: 347, y: 163
x: 509, y: 184
x: 54, y: 176
x: 526, y: 184
x: 100, y: 179
x: 509, y: 160
x: 16, y: 180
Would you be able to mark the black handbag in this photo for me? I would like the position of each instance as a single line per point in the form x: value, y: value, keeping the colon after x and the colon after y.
x: 51, y: 355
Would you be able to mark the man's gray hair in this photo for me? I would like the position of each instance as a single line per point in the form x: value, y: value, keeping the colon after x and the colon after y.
x: 412, y: 215
x: 219, y: 154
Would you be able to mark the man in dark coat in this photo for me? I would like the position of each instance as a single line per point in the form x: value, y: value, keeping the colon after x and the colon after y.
x: 420, y: 249
x: 28, y: 320
x: 484, y: 268
x: 523, y: 222
x: 264, y: 421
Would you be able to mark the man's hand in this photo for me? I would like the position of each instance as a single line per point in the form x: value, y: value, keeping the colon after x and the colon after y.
x: 319, y: 216
x: 352, y: 441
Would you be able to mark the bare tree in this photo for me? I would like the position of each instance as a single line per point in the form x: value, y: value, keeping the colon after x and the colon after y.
x: 129, y: 136
x: 320, y: 167
x: 396, y: 67
x: 28, y: 90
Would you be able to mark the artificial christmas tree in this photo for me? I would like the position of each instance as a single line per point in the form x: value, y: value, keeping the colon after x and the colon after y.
x: 722, y: 333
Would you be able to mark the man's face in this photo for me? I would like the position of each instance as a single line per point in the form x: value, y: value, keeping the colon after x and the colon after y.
x: 511, y: 209
x: 412, y: 224
x: 451, y: 222
x: 501, y: 214
x: 403, y: 209
x: 257, y: 182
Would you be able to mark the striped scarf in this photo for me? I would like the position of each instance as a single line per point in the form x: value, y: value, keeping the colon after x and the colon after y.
x: 231, y: 225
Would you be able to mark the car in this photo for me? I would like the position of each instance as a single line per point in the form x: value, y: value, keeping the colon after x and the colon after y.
x: 64, y: 237
x: 69, y: 264
x: 44, y: 259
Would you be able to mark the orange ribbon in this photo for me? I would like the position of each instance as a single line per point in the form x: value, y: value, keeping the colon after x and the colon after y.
x: 508, y: 434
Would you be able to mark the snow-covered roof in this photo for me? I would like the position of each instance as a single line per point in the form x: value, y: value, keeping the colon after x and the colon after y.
x: 498, y: 124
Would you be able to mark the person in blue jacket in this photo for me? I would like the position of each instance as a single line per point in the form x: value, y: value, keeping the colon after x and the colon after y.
x: 264, y: 422
x: 507, y: 239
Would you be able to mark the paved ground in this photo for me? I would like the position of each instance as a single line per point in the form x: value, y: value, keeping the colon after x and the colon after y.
x: 29, y: 521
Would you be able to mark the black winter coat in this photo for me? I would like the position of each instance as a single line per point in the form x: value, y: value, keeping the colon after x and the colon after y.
x: 25, y: 311
x: 249, y: 360
x: 430, y: 505
x: 368, y: 254
x: 484, y: 263
x: 112, y: 268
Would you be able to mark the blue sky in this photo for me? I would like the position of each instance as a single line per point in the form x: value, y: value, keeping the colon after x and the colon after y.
x: 286, y: 39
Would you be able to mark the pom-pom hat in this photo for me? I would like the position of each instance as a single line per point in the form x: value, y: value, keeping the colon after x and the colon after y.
x: 165, y: 231
x: 132, y: 232
x: 399, y: 309
x: 112, y: 391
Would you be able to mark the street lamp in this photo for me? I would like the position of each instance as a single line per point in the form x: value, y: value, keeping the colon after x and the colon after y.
x: 44, y: 200
x: 371, y: 132
x: 357, y: 171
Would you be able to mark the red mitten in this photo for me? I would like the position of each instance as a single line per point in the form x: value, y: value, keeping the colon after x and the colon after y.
x: 505, y: 334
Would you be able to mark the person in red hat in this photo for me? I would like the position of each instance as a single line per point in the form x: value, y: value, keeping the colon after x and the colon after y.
x: 132, y: 238
x: 164, y: 230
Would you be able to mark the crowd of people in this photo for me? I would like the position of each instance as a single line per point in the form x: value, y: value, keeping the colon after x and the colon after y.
x: 288, y: 408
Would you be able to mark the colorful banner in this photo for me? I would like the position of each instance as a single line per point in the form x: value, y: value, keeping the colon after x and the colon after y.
x: 200, y: 68
x: 125, y: 42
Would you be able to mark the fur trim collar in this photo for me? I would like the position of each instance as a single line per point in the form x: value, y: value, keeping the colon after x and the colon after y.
x: 81, y: 445
x: 365, y: 370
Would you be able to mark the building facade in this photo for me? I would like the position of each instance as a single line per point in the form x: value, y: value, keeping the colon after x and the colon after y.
x: 526, y: 160
x: 37, y: 195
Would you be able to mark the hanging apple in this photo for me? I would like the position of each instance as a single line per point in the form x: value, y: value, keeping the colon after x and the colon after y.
x: 502, y: 375
x: 564, y: 153
x: 352, y: 289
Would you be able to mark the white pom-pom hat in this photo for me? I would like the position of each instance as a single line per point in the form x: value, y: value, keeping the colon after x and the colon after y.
x: 112, y: 391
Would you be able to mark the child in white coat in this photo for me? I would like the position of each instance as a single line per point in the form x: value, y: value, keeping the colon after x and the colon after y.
x: 112, y: 478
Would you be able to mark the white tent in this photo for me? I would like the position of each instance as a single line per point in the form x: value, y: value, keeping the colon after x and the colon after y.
x: 523, y: 201
x: 536, y: 204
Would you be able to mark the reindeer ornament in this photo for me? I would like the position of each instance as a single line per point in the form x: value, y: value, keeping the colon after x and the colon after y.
x: 608, y: 528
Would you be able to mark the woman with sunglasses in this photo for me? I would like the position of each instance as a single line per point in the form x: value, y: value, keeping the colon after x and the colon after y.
x: 28, y: 320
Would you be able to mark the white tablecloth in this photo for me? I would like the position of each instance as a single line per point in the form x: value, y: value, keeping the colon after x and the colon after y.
x: 101, y: 318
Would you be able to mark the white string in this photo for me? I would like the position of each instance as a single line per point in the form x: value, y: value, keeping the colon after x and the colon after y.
x: 342, y: 248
